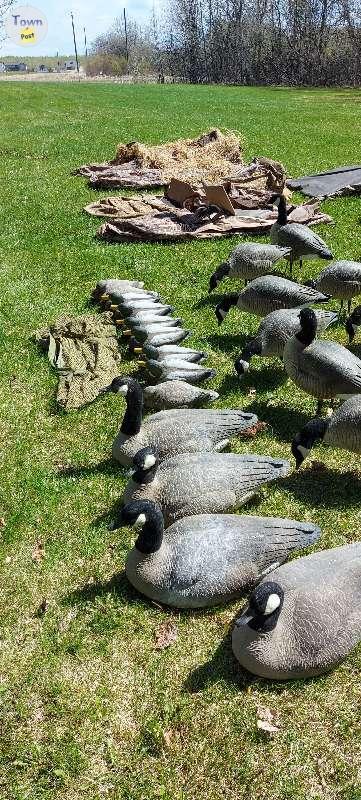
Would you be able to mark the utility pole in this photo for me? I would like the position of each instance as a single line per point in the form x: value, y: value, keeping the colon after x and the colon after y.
x: 85, y: 44
x: 75, y: 47
x: 126, y: 40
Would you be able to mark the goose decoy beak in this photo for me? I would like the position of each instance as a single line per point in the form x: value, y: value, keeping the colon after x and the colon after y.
x: 137, y: 350
x: 127, y: 332
x: 113, y: 307
x: 104, y: 297
x: 142, y: 363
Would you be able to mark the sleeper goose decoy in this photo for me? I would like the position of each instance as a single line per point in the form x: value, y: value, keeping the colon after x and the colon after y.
x: 248, y: 261
x: 341, y: 279
x: 106, y: 286
x: 177, y: 394
x: 144, y: 314
x: 273, y: 333
x: 151, y: 319
x: 209, y: 558
x: 269, y: 293
x: 166, y: 352
x: 175, y: 370
x: 135, y: 295
x: 173, y: 432
x: 341, y: 430
x: 321, y: 368
x: 303, y: 242
x: 157, y: 335
x: 305, y: 618
x: 200, y: 483
x: 353, y: 323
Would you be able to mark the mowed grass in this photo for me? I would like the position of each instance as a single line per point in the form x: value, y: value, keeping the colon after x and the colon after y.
x: 89, y: 708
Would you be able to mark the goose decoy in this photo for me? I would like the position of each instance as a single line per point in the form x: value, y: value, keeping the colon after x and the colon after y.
x: 303, y: 242
x: 106, y: 286
x: 133, y: 296
x: 157, y: 335
x: 166, y: 352
x: 200, y: 483
x: 341, y: 279
x: 321, y: 368
x: 248, y: 261
x: 269, y: 293
x: 353, y: 323
x: 305, y: 618
x: 342, y: 429
x: 273, y: 333
x: 173, y: 432
x: 175, y: 370
x: 209, y: 558
x: 146, y: 306
x: 151, y: 319
x: 158, y: 313
x: 177, y: 394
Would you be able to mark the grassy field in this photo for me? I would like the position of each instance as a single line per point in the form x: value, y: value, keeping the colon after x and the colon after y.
x: 89, y: 708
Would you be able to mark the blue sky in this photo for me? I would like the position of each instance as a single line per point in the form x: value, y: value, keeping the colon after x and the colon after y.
x: 95, y: 15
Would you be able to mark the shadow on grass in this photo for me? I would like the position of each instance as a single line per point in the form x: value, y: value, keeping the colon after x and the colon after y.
x: 270, y: 378
x: 118, y: 584
x: 106, y: 467
x: 324, y: 487
x: 284, y: 421
x: 209, y: 300
x: 227, y: 342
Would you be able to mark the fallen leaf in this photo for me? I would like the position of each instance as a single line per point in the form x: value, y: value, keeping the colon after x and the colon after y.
x: 168, y: 737
x: 165, y: 635
x: 252, y: 391
x: 259, y: 426
x: 267, y: 720
x: 2, y: 522
x: 38, y: 553
x: 267, y: 727
x: 317, y: 466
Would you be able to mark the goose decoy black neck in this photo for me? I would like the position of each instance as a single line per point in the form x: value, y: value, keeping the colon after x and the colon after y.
x: 217, y: 276
x: 145, y: 463
x: 147, y: 516
x: 265, y: 604
x: 353, y: 322
x: 282, y: 210
x: 308, y: 321
x: 303, y: 442
x: 252, y: 348
x: 224, y: 305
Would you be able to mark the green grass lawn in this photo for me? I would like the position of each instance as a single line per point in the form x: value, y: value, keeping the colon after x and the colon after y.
x: 89, y: 708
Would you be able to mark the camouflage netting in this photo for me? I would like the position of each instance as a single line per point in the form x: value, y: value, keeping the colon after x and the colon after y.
x: 212, y: 156
x: 85, y: 352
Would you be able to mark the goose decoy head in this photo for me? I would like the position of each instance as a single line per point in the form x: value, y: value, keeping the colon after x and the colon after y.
x: 352, y: 324
x: 147, y: 516
x: 222, y: 308
x: 308, y: 321
x: 303, y: 442
x: 145, y: 463
x: 264, y: 606
x: 120, y: 385
x: 217, y: 276
x: 241, y: 366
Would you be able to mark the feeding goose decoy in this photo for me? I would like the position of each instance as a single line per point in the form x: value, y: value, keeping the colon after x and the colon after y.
x: 341, y: 279
x: 353, y: 323
x: 166, y: 352
x: 321, y: 368
x: 303, y: 242
x: 175, y: 370
x: 274, y: 331
x: 177, y: 394
x: 305, y: 618
x: 248, y: 261
x: 269, y: 293
x: 209, y: 558
x: 342, y: 430
x: 200, y: 483
x: 173, y: 432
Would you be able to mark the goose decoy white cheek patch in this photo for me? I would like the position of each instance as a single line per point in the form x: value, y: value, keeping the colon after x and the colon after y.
x: 141, y: 519
x: 149, y: 461
x: 273, y: 602
x: 123, y: 389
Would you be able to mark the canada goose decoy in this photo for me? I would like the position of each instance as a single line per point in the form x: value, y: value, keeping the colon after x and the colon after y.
x: 305, y: 618
x: 353, y: 323
x: 106, y: 286
x: 175, y: 370
x: 145, y: 322
x: 177, y: 394
x: 321, y: 368
x: 107, y: 301
x: 341, y: 279
x: 248, y: 261
x: 342, y: 430
x: 144, y: 314
x: 166, y: 352
x: 157, y: 335
x: 209, y: 558
x: 303, y: 242
x: 200, y: 483
x: 173, y: 432
x: 273, y: 333
x: 129, y: 307
x: 269, y: 293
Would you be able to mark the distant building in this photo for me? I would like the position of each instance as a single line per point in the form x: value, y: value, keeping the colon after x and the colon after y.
x: 19, y: 67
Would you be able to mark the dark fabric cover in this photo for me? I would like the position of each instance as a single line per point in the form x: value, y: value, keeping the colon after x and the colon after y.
x: 339, y: 181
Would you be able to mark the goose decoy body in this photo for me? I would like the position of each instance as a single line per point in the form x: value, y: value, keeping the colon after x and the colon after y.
x: 305, y: 618
x: 175, y: 370
x: 353, y: 323
x: 341, y: 279
x: 107, y: 286
x: 145, y: 315
x: 147, y: 321
x: 269, y: 293
x: 200, y: 483
x: 177, y: 394
x: 321, y: 368
x: 303, y: 242
x: 248, y: 261
x: 128, y: 307
x: 166, y: 352
x: 157, y: 335
x: 274, y: 331
x: 342, y: 429
x: 173, y: 432
x: 135, y: 296
x: 208, y: 558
